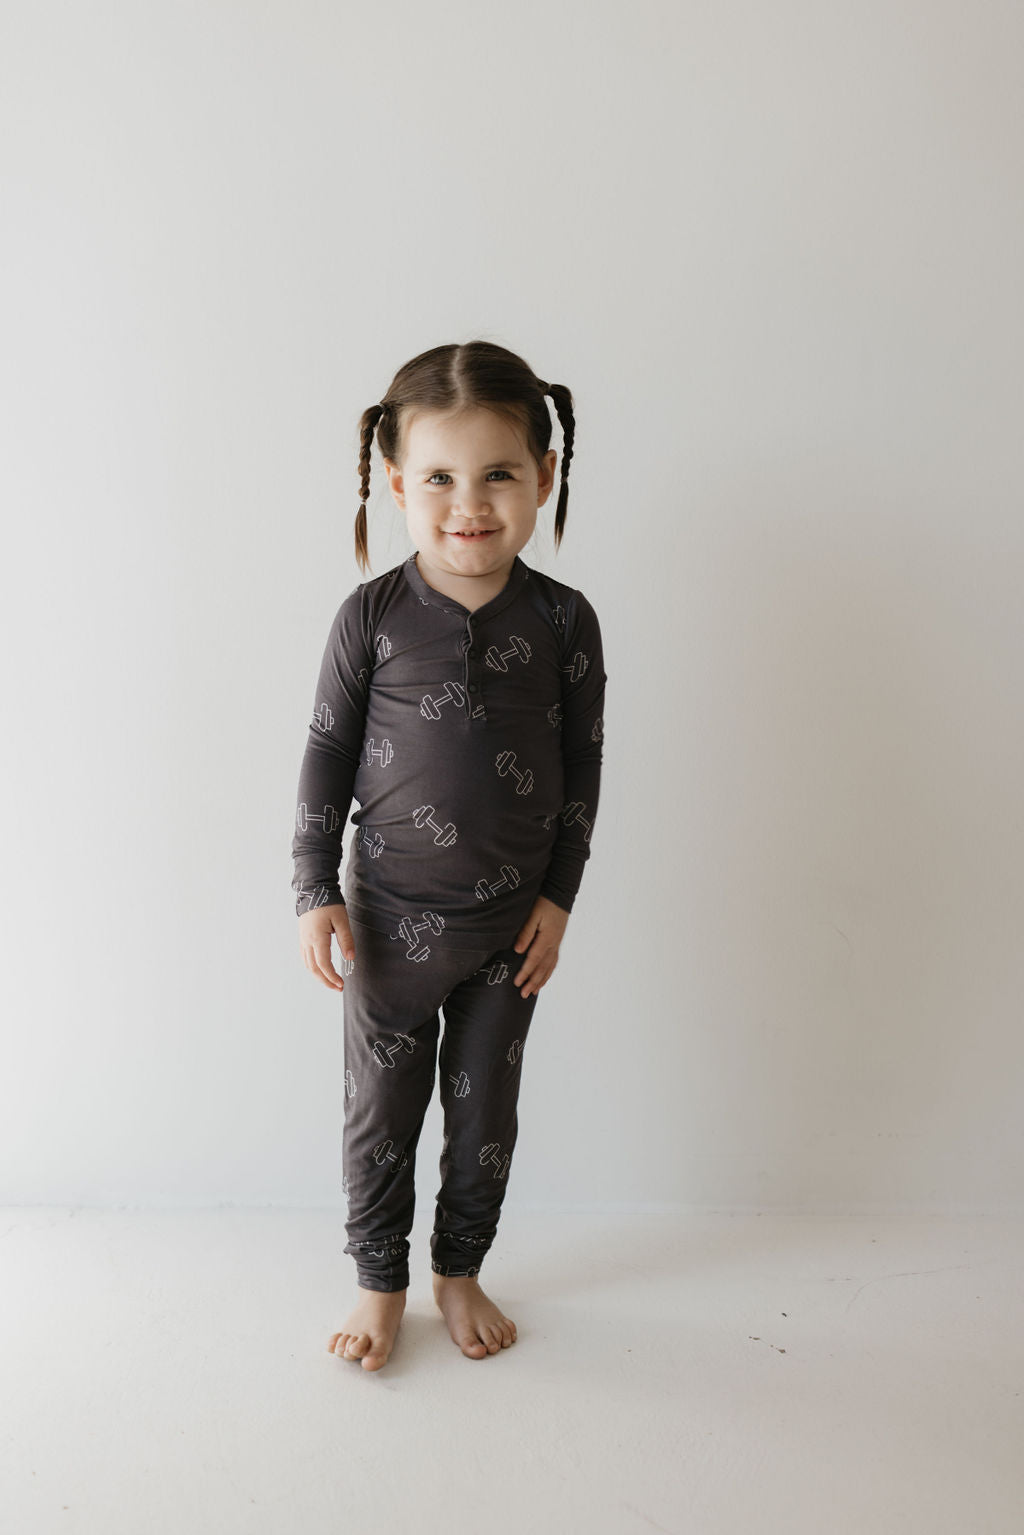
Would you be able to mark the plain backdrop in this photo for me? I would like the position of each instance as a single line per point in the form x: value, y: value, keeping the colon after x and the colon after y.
x: 775, y: 251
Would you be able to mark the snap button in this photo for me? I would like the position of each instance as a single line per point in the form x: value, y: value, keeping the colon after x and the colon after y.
x: 473, y: 688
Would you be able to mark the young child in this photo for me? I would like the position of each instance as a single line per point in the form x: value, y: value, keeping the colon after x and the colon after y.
x: 460, y: 702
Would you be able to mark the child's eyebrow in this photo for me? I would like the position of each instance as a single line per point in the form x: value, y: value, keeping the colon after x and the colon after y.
x: 505, y: 463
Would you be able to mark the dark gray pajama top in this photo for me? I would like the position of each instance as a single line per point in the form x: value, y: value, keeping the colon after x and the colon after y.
x: 472, y: 743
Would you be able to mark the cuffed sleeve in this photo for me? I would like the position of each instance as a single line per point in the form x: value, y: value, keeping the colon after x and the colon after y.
x: 583, y: 688
x: 333, y: 750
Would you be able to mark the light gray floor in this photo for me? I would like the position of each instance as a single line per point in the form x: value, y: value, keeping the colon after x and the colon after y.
x: 167, y: 1371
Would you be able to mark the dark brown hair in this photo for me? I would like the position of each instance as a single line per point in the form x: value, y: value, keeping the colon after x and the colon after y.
x: 456, y: 377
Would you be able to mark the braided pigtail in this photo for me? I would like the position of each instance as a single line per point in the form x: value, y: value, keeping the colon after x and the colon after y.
x: 367, y: 426
x: 561, y: 398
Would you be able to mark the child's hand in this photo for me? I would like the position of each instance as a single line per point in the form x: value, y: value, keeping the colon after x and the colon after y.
x: 315, y: 929
x: 542, y: 931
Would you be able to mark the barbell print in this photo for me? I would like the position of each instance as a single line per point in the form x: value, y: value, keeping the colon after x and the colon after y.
x: 509, y: 881
x: 498, y: 659
x: 577, y: 666
x: 454, y: 693
x: 461, y: 1084
x: 505, y: 762
x: 385, y: 1152
x: 384, y: 1054
x: 496, y: 972
x: 323, y: 719
x: 574, y: 812
x: 328, y: 818
x: 374, y: 844
x: 318, y: 896
x: 410, y: 931
x: 423, y: 815
x: 492, y: 1153
x: 384, y: 752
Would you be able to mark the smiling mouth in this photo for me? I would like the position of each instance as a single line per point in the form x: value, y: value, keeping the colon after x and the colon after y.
x: 480, y: 533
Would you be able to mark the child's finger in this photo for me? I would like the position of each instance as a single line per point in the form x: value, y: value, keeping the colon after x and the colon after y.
x: 322, y: 954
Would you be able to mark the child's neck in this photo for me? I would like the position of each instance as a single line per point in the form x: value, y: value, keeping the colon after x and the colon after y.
x: 471, y: 591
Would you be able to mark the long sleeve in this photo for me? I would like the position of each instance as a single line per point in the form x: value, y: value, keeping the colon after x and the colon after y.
x: 333, y: 750
x: 583, y: 686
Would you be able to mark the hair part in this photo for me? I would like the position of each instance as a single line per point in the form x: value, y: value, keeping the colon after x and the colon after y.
x: 456, y: 377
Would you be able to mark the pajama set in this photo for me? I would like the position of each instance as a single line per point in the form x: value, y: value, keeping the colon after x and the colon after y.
x: 472, y: 742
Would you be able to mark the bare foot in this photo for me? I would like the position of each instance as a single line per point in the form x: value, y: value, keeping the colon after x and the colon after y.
x: 474, y: 1321
x: 369, y: 1331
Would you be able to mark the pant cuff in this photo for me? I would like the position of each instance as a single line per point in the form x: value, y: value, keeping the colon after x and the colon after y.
x: 454, y: 1270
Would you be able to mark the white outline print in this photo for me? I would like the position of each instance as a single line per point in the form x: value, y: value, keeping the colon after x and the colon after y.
x: 555, y: 714
x: 597, y: 734
x: 410, y: 929
x: 323, y: 719
x: 383, y: 647
x: 558, y: 614
x: 498, y: 659
x: 577, y: 666
x: 574, y: 812
x: 461, y: 1084
x: 509, y: 881
x: 496, y: 972
x: 454, y: 693
x: 384, y: 1151
x: 384, y: 752
x: 384, y: 1054
x: 350, y: 1085
x: 514, y: 1051
x: 444, y: 836
x: 492, y: 1153
x: 505, y: 762
x: 374, y: 845
x: 328, y: 819
x: 318, y: 896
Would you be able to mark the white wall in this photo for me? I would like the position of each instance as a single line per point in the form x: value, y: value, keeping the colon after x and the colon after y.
x: 775, y: 250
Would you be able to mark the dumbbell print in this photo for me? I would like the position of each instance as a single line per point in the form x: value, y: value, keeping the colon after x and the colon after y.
x: 574, y: 812
x: 382, y: 753
x: 461, y: 1084
x: 385, y: 1152
x: 318, y: 896
x: 558, y: 614
x: 505, y: 762
x: 383, y: 647
x: 496, y: 972
x: 373, y: 845
x: 327, y: 819
x: 323, y: 719
x: 498, y: 659
x: 350, y: 1085
x: 444, y: 836
x: 509, y: 881
x: 515, y: 1050
x: 454, y: 693
x: 410, y: 930
x: 577, y: 666
x: 597, y: 733
x: 384, y: 1054
x: 555, y: 714
x: 492, y: 1153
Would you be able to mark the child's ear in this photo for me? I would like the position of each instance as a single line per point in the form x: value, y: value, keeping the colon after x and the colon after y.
x: 396, y: 483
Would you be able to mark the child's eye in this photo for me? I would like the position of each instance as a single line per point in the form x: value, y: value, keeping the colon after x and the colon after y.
x: 441, y: 473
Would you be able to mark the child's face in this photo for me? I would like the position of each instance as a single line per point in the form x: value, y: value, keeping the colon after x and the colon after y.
x: 465, y: 472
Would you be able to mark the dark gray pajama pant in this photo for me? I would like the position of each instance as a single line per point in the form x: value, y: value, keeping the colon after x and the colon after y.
x: 392, y: 996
